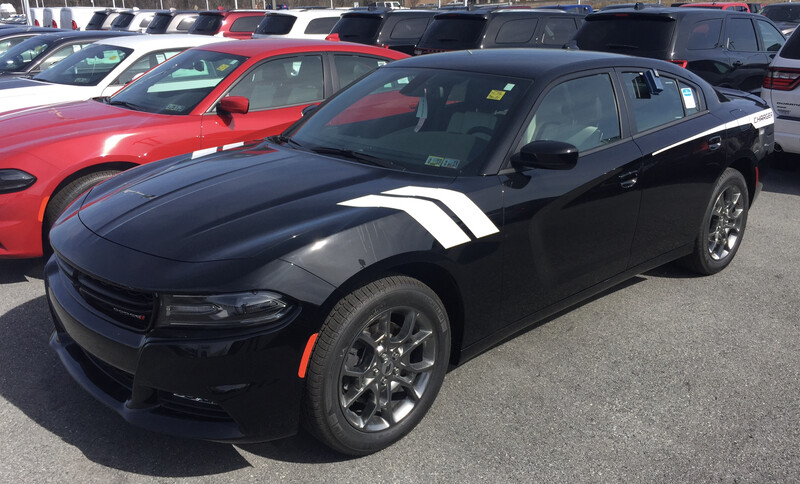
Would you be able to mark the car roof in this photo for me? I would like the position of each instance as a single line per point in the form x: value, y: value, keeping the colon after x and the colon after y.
x: 527, y: 63
x: 82, y: 34
x: 506, y: 12
x: 160, y: 40
x: 255, y: 47
x: 310, y: 13
x: 672, y: 12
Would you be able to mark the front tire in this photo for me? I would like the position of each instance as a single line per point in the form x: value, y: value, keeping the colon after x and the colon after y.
x: 378, y: 364
x: 723, y: 225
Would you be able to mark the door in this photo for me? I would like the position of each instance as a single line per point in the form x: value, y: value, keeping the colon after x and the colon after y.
x: 678, y: 165
x: 747, y: 63
x: 567, y: 230
x: 278, y: 90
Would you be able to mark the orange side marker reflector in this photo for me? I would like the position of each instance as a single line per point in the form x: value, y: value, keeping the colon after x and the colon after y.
x: 42, y: 208
x: 307, y: 355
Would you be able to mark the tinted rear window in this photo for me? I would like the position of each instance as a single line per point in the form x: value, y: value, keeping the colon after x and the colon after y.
x: 159, y: 24
x: 246, y: 24
x: 96, y: 21
x: 782, y: 13
x: 358, y: 29
x: 206, y: 25
x: 321, y: 26
x: 626, y: 35
x: 791, y: 49
x: 122, y: 21
x: 453, y: 33
x: 185, y: 24
x: 276, y: 25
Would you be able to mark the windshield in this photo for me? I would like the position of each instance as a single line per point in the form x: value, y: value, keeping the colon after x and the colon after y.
x: 422, y: 120
x: 21, y: 55
x: 87, y: 67
x: 178, y: 85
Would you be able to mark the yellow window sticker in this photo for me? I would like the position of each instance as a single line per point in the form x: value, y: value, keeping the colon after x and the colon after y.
x: 496, y: 95
x: 223, y: 67
x: 434, y: 161
x: 113, y: 58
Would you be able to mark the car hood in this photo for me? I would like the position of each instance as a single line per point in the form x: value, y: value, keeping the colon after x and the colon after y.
x: 29, y: 129
x: 22, y: 92
x: 263, y: 201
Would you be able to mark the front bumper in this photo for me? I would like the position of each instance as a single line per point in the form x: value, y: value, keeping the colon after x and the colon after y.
x: 21, y: 224
x: 207, y: 384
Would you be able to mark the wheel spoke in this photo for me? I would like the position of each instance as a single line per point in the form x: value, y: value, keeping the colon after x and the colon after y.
x: 407, y: 329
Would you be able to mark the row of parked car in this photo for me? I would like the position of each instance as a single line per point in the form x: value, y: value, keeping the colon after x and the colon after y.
x: 726, y: 48
x: 403, y: 215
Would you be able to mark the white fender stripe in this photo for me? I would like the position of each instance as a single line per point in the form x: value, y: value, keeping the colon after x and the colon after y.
x: 207, y: 151
x: 758, y: 120
x: 426, y: 213
x: 464, y: 208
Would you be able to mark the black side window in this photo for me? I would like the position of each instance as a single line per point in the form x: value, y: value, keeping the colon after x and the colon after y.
x: 411, y: 28
x: 518, y: 31
x: 582, y: 112
x: 770, y: 37
x: 741, y: 35
x: 651, y: 109
x: 321, y: 25
x: 704, y: 34
x: 558, y: 30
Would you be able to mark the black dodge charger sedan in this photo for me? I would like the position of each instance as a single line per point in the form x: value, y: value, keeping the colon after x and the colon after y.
x: 330, y: 276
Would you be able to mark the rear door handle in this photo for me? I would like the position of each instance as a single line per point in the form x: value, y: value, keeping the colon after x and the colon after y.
x: 714, y: 143
x: 738, y: 63
x: 629, y: 179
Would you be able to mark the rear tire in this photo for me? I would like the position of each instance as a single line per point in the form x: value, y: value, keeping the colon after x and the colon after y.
x: 723, y: 225
x: 378, y: 364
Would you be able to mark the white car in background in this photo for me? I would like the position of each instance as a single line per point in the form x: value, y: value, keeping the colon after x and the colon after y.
x: 299, y: 23
x: 135, y: 20
x: 37, y: 17
x: 52, y: 15
x: 76, y: 18
x: 781, y: 89
x: 101, y: 69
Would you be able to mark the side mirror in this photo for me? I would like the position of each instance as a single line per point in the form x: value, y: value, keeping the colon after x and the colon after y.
x: 547, y: 155
x: 233, y: 105
x: 571, y: 45
x: 309, y: 109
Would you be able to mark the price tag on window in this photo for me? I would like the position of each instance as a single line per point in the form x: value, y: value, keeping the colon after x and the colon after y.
x: 688, y: 98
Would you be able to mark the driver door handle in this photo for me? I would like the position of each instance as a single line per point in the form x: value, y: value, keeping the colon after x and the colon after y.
x: 629, y: 179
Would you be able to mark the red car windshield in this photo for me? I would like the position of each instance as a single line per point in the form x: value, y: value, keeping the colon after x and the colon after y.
x: 178, y: 85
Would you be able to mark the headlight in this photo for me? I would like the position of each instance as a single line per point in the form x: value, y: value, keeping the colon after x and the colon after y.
x: 223, y: 310
x: 15, y: 180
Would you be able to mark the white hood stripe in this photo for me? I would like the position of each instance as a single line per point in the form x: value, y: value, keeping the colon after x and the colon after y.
x: 427, y: 213
x: 430, y: 215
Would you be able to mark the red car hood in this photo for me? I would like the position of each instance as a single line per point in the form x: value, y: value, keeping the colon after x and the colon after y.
x: 26, y: 130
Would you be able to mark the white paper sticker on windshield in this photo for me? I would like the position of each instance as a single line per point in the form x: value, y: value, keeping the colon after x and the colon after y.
x: 688, y: 98
x: 508, y: 87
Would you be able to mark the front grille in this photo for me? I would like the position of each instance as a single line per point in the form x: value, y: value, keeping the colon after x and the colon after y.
x: 130, y: 308
x: 123, y: 378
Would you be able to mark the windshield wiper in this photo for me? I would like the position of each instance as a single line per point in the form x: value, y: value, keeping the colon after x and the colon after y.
x: 622, y: 46
x: 114, y: 102
x: 279, y: 139
x: 357, y: 156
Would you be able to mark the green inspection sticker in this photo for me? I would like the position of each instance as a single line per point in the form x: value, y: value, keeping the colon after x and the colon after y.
x: 434, y: 161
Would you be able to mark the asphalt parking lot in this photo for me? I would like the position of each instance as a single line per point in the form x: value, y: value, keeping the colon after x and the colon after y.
x: 667, y: 378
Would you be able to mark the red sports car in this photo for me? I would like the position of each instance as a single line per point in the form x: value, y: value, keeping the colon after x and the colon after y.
x: 205, y: 99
